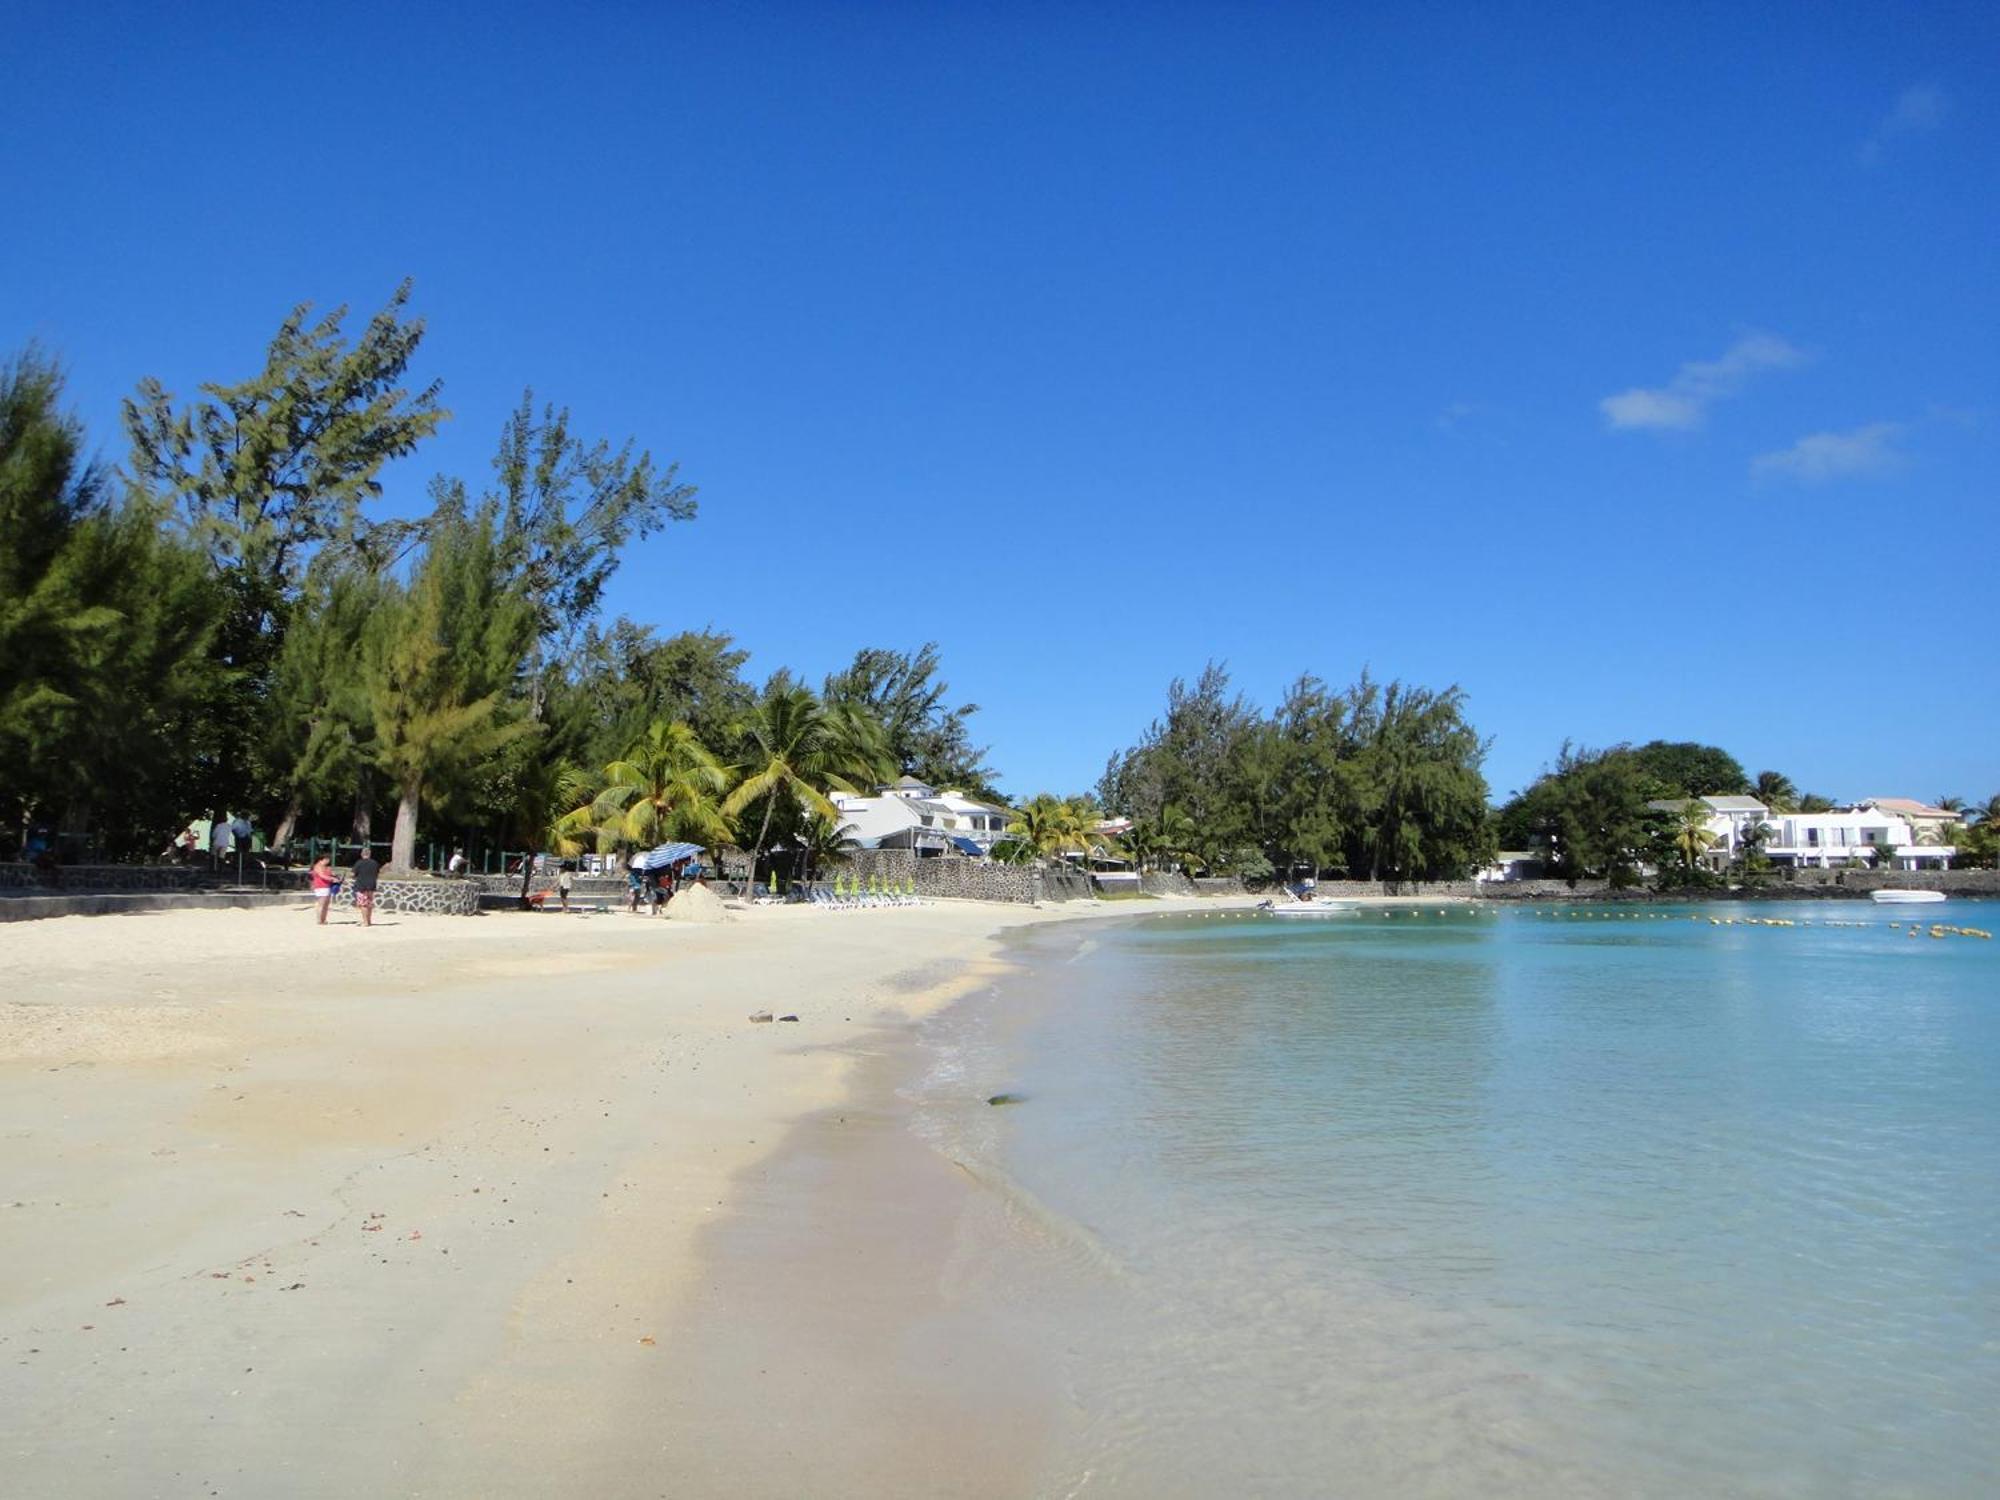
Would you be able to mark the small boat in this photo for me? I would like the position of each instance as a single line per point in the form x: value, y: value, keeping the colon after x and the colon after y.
x: 1307, y: 908
x: 1890, y: 897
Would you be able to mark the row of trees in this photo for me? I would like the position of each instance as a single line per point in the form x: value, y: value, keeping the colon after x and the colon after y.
x: 1598, y: 813
x: 1374, y: 781
x: 228, y: 623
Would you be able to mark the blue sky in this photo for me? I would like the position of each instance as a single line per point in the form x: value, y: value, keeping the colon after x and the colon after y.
x: 1634, y: 368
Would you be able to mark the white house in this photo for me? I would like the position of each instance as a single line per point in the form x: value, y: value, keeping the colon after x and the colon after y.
x: 1510, y: 865
x: 911, y: 815
x: 1864, y: 834
x: 1928, y: 825
x: 1729, y: 819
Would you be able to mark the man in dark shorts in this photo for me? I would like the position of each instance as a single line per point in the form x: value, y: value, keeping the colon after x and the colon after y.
x: 367, y: 870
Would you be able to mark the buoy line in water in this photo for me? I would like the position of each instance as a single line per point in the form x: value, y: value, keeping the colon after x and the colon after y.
x: 1915, y: 929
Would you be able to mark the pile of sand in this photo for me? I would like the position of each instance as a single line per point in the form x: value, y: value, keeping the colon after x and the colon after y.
x: 696, y: 903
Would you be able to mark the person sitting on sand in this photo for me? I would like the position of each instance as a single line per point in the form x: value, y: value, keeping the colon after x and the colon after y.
x: 324, y: 884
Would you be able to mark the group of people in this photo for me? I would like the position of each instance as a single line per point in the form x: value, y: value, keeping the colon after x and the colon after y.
x: 651, y: 889
x: 366, y: 873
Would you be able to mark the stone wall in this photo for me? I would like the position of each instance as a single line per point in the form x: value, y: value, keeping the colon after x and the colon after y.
x: 19, y: 875
x: 449, y: 898
x: 950, y: 878
x: 1953, y: 882
x: 444, y: 895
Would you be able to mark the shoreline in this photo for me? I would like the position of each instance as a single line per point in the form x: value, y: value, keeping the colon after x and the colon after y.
x: 306, y: 1210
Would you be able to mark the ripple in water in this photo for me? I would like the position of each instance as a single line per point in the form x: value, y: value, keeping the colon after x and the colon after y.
x: 1502, y: 1204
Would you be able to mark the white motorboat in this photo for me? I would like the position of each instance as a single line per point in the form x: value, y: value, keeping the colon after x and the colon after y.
x: 1906, y: 898
x: 1307, y: 908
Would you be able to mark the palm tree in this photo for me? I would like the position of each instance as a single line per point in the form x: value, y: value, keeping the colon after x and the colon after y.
x: 1775, y: 790
x: 1691, y: 834
x: 1989, y: 812
x: 797, y: 751
x: 1167, y: 839
x: 667, y: 785
x: 824, y: 842
x: 1052, y: 825
x: 1950, y: 804
x: 858, y: 744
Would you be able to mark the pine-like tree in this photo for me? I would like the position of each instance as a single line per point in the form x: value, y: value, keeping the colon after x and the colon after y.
x: 443, y: 661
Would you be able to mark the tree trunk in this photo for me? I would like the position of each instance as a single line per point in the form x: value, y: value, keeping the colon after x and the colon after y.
x: 770, y: 804
x: 364, y: 806
x: 282, y: 837
x: 403, y: 842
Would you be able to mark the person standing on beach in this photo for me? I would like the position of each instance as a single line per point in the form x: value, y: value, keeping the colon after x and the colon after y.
x: 635, y: 887
x: 563, y: 881
x: 324, y: 884
x: 367, y: 871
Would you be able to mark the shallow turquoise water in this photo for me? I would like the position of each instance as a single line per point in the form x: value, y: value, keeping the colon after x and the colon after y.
x: 1507, y: 1202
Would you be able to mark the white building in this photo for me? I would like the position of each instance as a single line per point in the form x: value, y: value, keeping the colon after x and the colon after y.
x: 1510, y: 865
x: 1928, y: 825
x: 1729, y: 819
x: 1856, y: 835
x: 910, y: 815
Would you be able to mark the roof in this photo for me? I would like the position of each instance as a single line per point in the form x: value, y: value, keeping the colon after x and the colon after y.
x: 1713, y: 804
x: 910, y: 784
x: 1910, y: 807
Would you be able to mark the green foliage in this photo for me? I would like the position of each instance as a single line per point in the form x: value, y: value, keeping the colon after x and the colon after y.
x: 441, y: 659
x: 926, y: 738
x: 667, y: 785
x: 320, y: 726
x: 106, y: 623
x: 796, y: 752
x: 1683, y: 768
x: 567, y: 508
x: 1775, y: 790
x: 269, y: 469
x: 1382, y: 782
x: 1979, y: 843
x: 266, y: 475
x: 625, y: 679
x: 1689, y: 834
x: 1590, y: 813
x: 1050, y: 826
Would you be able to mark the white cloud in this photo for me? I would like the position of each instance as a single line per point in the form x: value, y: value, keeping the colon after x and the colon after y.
x: 1918, y: 111
x: 1823, y: 456
x: 1683, y: 401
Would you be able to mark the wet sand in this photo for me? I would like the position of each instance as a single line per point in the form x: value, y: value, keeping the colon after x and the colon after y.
x: 319, y: 1211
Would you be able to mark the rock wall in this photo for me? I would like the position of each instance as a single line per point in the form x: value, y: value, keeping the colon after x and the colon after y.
x: 951, y: 878
x: 442, y: 895
x: 19, y: 875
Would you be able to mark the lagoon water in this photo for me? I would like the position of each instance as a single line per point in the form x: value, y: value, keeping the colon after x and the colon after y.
x: 1515, y: 1202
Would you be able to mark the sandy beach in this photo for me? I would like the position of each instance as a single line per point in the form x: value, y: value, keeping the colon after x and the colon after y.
x: 418, y: 1210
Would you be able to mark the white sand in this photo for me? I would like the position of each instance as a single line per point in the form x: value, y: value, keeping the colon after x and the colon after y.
x: 323, y: 1211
